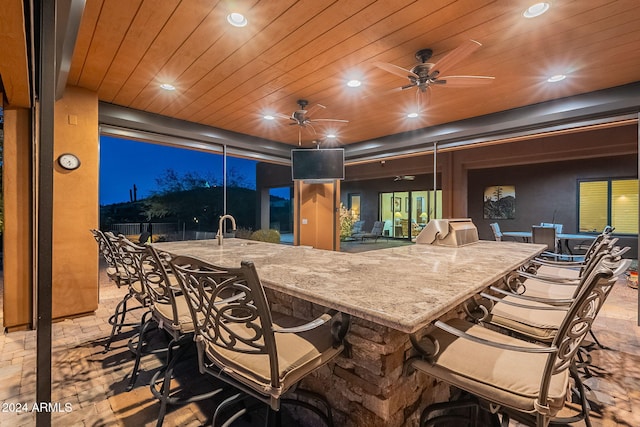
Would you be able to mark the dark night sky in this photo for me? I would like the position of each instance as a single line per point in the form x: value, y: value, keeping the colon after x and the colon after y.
x: 124, y: 163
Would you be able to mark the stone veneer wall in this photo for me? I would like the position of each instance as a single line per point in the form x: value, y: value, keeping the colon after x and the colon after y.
x: 368, y: 389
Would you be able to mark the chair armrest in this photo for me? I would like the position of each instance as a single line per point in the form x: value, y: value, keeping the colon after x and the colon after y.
x: 550, y: 301
x: 420, y: 345
x: 339, y: 328
x: 319, y: 321
x: 453, y: 331
x: 561, y: 264
x: 561, y: 305
x: 552, y: 280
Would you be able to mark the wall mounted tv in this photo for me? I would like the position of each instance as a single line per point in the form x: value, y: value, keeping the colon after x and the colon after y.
x: 318, y: 164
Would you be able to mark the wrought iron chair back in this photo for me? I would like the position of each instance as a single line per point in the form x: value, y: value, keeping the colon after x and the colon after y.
x: 582, y: 313
x: 241, y: 342
x: 163, y: 293
x: 556, y: 364
x: 115, y: 270
x: 578, y: 321
x: 602, y: 240
x: 121, y: 269
x: 129, y: 255
x: 151, y: 270
x: 125, y: 261
x: 604, y: 249
x: 229, y: 309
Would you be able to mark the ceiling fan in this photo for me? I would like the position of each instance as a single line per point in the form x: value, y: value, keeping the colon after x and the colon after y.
x: 404, y: 178
x: 302, y: 118
x: 425, y: 74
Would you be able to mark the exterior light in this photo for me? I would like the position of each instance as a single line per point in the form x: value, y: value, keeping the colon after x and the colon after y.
x: 167, y: 86
x: 237, y: 19
x: 354, y: 83
x: 556, y: 78
x: 536, y: 10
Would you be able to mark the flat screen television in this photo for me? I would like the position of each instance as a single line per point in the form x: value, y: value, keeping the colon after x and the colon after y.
x: 317, y: 164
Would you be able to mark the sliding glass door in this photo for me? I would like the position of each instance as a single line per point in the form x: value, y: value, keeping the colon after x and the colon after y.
x: 405, y: 213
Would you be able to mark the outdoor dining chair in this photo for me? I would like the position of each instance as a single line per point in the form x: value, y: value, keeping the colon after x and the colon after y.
x: 495, y: 229
x: 240, y: 341
x: 546, y: 236
x: 538, y: 318
x: 571, y: 266
x: 511, y: 377
x: 123, y: 273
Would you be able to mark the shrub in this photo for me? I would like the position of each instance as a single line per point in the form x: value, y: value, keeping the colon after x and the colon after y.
x: 346, y: 222
x: 270, y: 236
x: 244, y: 233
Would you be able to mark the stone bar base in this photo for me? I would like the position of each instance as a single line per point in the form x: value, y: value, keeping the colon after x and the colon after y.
x: 369, y: 388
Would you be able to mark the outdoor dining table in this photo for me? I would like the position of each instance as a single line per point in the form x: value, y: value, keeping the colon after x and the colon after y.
x: 562, y: 237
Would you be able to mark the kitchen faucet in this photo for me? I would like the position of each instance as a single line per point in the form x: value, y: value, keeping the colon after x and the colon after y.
x: 219, y: 235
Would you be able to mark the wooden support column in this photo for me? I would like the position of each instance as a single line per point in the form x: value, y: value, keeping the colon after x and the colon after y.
x: 317, y: 215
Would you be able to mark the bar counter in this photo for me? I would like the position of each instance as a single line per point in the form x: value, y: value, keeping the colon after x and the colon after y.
x: 389, y: 293
x: 403, y: 288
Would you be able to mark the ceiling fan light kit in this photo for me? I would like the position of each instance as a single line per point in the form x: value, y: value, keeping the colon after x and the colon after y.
x: 302, y: 118
x: 425, y: 74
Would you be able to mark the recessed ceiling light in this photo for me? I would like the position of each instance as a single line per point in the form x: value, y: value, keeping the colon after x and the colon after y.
x: 331, y: 135
x: 556, y: 78
x: 354, y: 83
x: 412, y: 115
x: 237, y: 19
x: 268, y: 117
x: 536, y: 10
x: 167, y: 86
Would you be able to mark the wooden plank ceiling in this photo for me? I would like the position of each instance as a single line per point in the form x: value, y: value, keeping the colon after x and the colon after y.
x: 230, y: 77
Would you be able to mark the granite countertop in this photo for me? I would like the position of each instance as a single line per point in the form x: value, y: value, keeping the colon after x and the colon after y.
x: 404, y: 288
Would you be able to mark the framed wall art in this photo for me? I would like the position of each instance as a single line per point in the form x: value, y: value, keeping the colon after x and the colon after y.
x: 500, y: 202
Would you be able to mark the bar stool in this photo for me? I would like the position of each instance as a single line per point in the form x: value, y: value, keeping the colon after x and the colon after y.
x: 240, y: 341
x: 170, y: 312
x: 122, y: 273
x: 518, y: 379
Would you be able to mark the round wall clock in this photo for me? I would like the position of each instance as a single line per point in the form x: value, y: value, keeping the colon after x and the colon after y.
x: 69, y: 161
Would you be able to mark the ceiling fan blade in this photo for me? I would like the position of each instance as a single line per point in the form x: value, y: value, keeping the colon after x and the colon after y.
x: 281, y: 116
x: 328, y: 120
x: 313, y: 109
x: 394, y: 69
x: 464, y: 81
x: 453, y: 57
x: 311, y: 129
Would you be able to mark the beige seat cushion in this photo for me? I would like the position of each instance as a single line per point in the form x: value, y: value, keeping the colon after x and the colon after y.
x: 561, y: 272
x: 298, y: 355
x: 540, y: 325
x: 536, y: 288
x: 504, y: 377
x: 164, y: 312
x: 136, y: 285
